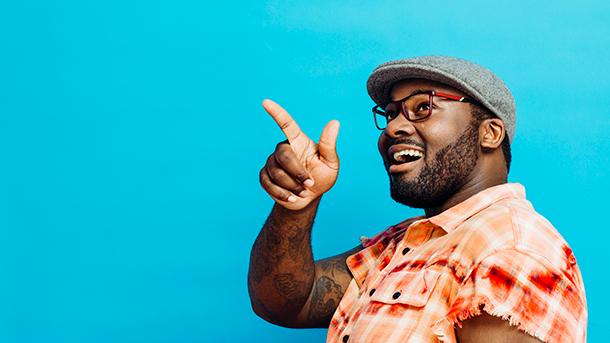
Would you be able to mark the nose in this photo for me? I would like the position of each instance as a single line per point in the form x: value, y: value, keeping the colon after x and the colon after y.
x: 399, y: 126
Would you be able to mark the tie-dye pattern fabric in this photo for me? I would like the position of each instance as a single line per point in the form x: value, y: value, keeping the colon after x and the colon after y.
x: 415, y: 281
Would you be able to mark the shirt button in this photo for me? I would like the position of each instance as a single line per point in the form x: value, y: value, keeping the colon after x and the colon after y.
x: 345, y: 338
x: 572, y: 259
x: 395, y: 295
x: 405, y: 250
x: 372, y: 292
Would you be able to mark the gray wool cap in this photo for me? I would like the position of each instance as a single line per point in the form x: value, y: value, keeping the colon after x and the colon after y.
x: 476, y: 81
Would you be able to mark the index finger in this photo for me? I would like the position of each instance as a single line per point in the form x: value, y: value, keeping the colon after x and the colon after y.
x: 283, y: 119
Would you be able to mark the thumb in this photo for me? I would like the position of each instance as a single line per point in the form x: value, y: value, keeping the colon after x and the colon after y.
x: 328, y: 142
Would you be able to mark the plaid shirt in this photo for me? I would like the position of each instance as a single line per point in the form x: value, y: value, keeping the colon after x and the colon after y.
x: 414, y: 281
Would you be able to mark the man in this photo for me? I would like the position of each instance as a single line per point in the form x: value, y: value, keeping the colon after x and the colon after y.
x: 480, y: 266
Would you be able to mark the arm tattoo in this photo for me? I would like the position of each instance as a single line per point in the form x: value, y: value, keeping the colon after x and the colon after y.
x: 335, y: 266
x: 326, y: 296
x: 266, y: 253
x: 308, y: 268
x: 294, y: 291
x: 297, y: 246
x: 273, y: 244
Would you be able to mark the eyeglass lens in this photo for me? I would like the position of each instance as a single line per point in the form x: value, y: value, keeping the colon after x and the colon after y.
x: 416, y: 107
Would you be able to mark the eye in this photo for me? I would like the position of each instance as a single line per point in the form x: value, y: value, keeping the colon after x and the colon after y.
x: 424, y: 106
x: 391, y: 112
x: 422, y: 110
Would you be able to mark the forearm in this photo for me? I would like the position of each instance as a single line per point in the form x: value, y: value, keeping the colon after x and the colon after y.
x: 281, y: 271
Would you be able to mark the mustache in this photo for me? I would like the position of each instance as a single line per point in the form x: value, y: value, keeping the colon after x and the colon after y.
x: 407, y: 140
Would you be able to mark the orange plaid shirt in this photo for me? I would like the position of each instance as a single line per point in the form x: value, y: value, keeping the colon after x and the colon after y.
x: 414, y: 281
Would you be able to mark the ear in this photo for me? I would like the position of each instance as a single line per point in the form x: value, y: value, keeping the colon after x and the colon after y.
x: 491, y: 133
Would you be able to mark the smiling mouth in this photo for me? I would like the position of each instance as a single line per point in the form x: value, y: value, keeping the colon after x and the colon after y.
x: 406, y: 156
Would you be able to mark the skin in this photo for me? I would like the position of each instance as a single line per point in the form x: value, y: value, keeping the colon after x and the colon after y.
x: 287, y: 287
x: 449, y: 121
x: 485, y: 328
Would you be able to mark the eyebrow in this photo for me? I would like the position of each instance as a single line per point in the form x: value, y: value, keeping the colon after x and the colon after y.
x: 417, y: 91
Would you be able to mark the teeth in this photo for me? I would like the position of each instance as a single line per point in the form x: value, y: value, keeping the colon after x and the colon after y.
x: 401, y: 156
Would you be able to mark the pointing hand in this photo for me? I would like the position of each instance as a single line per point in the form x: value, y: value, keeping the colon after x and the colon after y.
x: 300, y: 170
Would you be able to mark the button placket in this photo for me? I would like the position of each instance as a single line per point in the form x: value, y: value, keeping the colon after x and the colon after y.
x: 383, y: 272
x: 345, y: 333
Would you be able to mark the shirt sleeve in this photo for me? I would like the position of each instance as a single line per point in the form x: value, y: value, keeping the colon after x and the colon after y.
x: 528, y: 291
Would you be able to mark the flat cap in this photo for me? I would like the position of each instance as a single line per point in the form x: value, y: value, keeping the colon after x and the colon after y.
x: 476, y: 81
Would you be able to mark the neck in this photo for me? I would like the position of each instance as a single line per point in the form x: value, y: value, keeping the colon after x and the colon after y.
x: 466, y: 192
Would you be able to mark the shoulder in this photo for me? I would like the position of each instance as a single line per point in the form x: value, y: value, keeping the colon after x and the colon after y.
x: 514, y: 224
x: 534, y: 294
x: 512, y: 227
x: 523, y: 270
x: 534, y: 235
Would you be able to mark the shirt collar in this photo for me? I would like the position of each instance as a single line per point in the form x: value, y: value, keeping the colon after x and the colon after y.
x: 454, y: 216
x: 361, y: 262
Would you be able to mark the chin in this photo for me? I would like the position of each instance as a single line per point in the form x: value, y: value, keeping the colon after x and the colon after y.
x: 440, y: 177
x: 414, y: 196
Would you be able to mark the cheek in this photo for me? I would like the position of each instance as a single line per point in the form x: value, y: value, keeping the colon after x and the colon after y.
x: 438, y: 135
x: 383, y: 145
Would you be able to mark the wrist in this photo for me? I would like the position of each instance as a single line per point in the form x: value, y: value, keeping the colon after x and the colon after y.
x: 310, y: 208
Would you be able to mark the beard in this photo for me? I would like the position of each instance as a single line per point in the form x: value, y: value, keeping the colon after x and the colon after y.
x: 440, y: 177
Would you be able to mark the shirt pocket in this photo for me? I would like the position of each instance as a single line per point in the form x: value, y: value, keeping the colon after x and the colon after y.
x: 406, y: 287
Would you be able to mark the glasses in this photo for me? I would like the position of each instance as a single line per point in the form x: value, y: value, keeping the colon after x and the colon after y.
x: 416, y: 107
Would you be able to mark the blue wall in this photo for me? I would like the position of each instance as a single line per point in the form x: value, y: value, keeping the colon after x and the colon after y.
x: 131, y: 136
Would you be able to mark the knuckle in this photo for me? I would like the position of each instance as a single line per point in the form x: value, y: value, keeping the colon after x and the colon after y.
x: 282, y: 145
x: 265, y: 182
x: 276, y: 174
x: 283, y: 196
x: 269, y: 186
x: 285, y: 124
x: 271, y: 161
x: 278, y: 193
x: 273, y: 190
x: 284, y: 157
x: 301, y: 175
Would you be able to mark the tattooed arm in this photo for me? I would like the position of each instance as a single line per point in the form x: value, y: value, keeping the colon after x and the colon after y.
x: 281, y: 265
x: 332, y: 278
x: 286, y: 287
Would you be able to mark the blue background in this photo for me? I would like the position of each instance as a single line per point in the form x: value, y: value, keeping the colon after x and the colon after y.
x: 131, y: 136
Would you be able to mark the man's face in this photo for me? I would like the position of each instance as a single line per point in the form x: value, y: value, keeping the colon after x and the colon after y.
x: 431, y: 160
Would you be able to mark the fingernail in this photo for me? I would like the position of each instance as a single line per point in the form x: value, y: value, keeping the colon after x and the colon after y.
x: 292, y: 198
x: 308, y: 183
x: 303, y: 193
